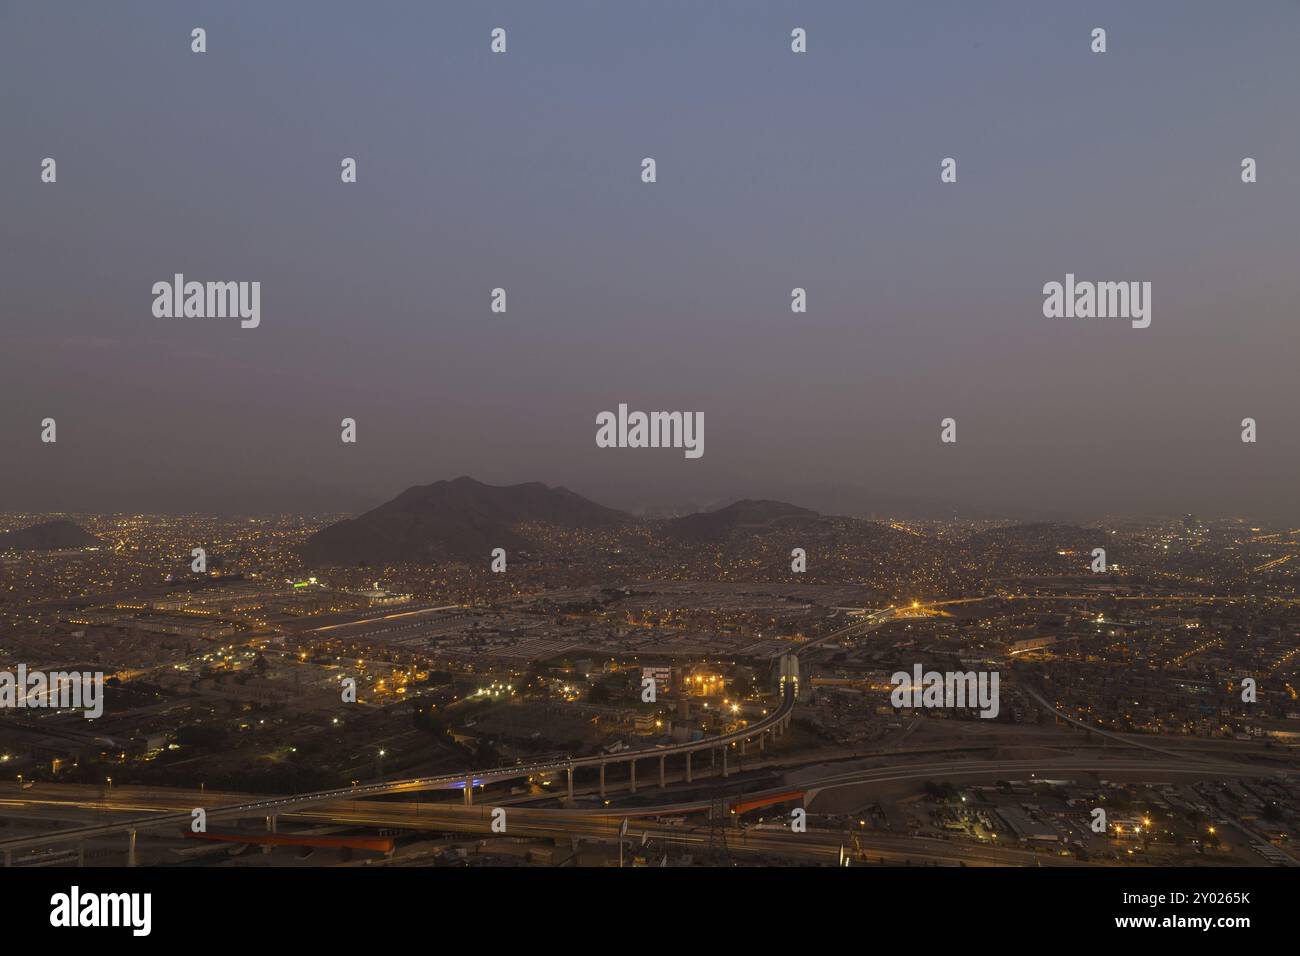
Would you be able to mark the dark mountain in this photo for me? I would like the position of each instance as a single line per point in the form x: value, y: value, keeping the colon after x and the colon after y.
x: 743, y: 517
x: 453, y: 519
x: 49, y: 536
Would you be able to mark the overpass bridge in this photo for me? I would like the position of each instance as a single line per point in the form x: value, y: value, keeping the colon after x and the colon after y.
x: 606, y: 825
x: 774, y: 724
x: 1100, y: 732
x: 865, y: 622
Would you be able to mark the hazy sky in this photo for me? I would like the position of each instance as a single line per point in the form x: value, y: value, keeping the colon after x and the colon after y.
x: 775, y: 170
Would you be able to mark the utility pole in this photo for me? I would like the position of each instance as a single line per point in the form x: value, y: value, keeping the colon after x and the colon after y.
x: 718, y: 828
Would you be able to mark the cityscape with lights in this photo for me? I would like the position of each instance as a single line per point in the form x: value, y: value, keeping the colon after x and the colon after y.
x: 646, y: 694
x: 357, y: 517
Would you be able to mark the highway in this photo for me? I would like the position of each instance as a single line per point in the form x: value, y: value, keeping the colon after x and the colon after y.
x: 1128, y: 741
x: 348, y: 805
x: 603, y: 824
x: 867, y: 622
x: 280, y: 805
x: 167, y: 808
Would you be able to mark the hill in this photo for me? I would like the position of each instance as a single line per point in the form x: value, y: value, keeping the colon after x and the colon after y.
x: 463, y: 519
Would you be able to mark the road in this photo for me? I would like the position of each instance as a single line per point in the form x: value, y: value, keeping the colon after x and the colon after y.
x: 173, y: 809
x: 347, y: 805
x: 277, y: 806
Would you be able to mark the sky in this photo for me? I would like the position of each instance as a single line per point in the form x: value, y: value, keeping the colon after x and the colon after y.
x: 775, y: 170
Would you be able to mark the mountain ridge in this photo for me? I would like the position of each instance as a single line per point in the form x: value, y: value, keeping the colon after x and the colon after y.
x: 56, y: 535
x: 460, y: 518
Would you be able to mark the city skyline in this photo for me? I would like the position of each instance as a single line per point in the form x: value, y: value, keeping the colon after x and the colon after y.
x: 653, y: 434
x: 1022, y: 695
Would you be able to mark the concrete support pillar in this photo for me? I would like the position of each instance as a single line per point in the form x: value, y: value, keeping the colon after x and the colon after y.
x: 742, y: 746
x: 9, y: 857
x: 270, y: 828
x: 724, y: 762
x: 761, y: 738
x: 130, y: 853
x: 713, y: 759
x: 688, y: 766
x: 662, y: 780
x: 81, y: 854
x: 469, y: 791
x: 570, y: 783
x: 602, y: 780
x: 634, y: 776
